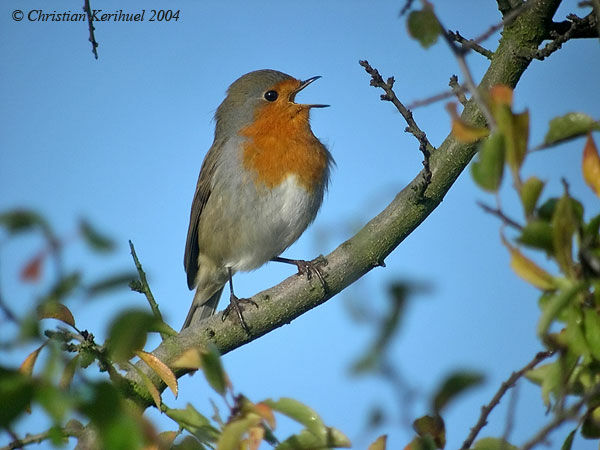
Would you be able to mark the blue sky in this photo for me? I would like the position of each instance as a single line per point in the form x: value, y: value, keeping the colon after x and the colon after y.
x: 120, y: 141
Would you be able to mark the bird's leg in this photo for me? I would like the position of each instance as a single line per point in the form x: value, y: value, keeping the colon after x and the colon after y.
x: 305, y: 267
x: 234, y: 304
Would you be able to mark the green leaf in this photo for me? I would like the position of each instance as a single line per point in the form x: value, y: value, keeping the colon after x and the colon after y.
x: 537, y: 234
x: 432, y: 426
x: 95, y: 240
x: 455, y: 384
x: 20, y: 220
x: 591, y: 326
x: 301, y: 414
x: 487, y: 170
x: 517, y: 137
x: 590, y: 429
x: 128, y: 332
x: 16, y: 392
x: 213, y: 370
x: 56, y: 403
x: 306, y: 440
x: 110, y: 283
x: 194, y: 422
x: 569, y: 126
x: 63, y: 288
x: 555, y: 305
x: 491, y: 443
x: 530, y: 193
x: 564, y: 224
x: 546, y: 210
x: 232, y: 433
x: 569, y: 440
x: 424, y: 26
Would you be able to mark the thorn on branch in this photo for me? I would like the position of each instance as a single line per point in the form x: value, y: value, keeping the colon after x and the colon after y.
x: 424, y: 145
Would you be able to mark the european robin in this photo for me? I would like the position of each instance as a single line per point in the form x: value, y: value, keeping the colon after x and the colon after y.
x: 260, y: 186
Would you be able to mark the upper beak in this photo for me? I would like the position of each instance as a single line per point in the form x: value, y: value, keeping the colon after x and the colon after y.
x: 303, y: 84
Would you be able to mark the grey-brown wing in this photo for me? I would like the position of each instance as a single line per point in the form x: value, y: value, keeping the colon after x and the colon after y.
x: 203, y: 189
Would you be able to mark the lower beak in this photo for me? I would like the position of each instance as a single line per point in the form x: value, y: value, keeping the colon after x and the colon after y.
x: 303, y: 84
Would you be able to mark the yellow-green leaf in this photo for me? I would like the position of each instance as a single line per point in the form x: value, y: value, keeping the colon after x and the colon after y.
x: 432, y: 426
x: 591, y: 323
x: 516, y: 140
x: 213, y: 370
x: 69, y: 372
x: 491, y: 443
x: 379, y: 444
x: 488, y: 169
x: 27, y: 365
x: 569, y: 126
x: 590, y: 165
x: 161, y: 369
x: 55, y: 310
x: 300, y: 413
x: 564, y: 225
x: 555, y: 305
x: 233, y: 432
x: 528, y: 270
x: 461, y: 130
x: 530, y: 193
x: 190, y: 359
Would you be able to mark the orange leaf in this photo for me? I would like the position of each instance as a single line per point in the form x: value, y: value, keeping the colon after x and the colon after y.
x: 27, y: 366
x: 501, y: 94
x: 161, y: 369
x: 266, y: 413
x: 55, y: 310
x: 590, y: 165
x: 528, y: 270
x: 33, y: 269
x: 255, y: 437
x: 463, y: 131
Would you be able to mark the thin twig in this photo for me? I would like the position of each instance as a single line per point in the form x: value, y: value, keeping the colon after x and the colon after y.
x: 437, y: 97
x: 560, y: 418
x: 470, y: 44
x: 406, y: 7
x: 498, y: 213
x: 412, y: 128
x: 144, y: 288
x: 575, y: 25
x: 458, y: 90
x: 88, y: 10
x: 505, y: 386
x: 459, y: 54
x: 38, y: 438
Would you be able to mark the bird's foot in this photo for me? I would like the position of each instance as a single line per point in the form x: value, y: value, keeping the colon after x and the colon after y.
x: 308, y: 268
x: 234, y: 305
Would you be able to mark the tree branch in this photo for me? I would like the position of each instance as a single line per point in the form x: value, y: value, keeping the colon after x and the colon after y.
x: 470, y: 44
x: 366, y: 250
x: 505, y: 386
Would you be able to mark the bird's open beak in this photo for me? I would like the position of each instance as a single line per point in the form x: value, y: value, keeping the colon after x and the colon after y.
x: 303, y: 84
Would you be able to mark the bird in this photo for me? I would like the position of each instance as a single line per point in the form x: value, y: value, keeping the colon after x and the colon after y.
x: 260, y: 186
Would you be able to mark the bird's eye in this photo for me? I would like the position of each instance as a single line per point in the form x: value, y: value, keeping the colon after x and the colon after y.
x: 271, y: 96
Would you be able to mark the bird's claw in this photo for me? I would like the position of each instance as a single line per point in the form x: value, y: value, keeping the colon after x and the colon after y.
x: 234, y: 304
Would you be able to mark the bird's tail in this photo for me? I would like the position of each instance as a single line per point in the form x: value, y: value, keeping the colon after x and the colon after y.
x: 201, y: 309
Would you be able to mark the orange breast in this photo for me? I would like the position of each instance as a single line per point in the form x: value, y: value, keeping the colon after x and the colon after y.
x: 280, y: 143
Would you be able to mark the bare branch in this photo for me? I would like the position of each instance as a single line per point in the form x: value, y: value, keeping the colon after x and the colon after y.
x: 505, y: 386
x: 571, y: 29
x: 143, y: 287
x: 470, y: 44
x: 412, y: 128
x: 88, y: 10
x: 498, y: 213
x: 457, y: 91
x: 406, y: 7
